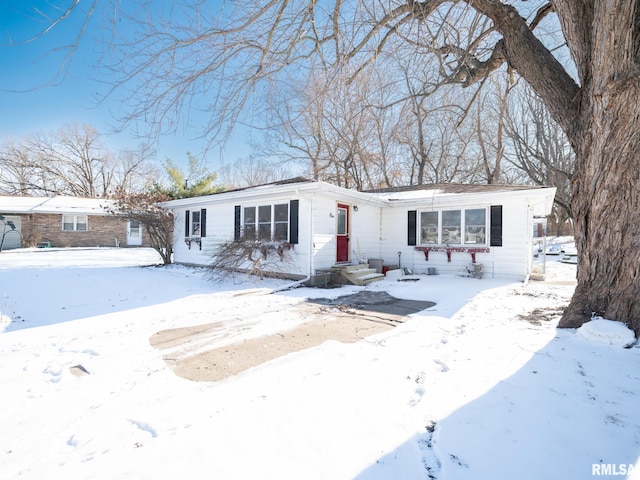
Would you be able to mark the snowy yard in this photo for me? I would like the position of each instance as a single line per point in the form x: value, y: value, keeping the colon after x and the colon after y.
x: 480, y: 386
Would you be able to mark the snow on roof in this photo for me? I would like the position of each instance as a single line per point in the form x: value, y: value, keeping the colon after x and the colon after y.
x: 422, y: 191
x: 19, y: 204
x: 385, y: 196
x: 58, y: 204
x: 410, y: 194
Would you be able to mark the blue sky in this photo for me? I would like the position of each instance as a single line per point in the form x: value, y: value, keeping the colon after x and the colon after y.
x: 35, y: 98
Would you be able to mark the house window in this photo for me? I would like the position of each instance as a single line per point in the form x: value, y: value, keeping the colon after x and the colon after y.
x: 342, y: 221
x: 447, y: 226
x: 475, y: 226
x: 264, y: 222
x: 451, y: 226
x: 281, y: 222
x: 249, y: 222
x: 270, y: 223
x: 195, y: 223
x: 428, y: 227
x: 75, y: 223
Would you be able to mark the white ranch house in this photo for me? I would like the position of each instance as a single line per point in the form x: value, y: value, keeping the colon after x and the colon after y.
x: 442, y: 229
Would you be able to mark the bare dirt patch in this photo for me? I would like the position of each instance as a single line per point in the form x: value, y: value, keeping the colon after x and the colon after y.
x: 539, y: 315
x: 347, y: 319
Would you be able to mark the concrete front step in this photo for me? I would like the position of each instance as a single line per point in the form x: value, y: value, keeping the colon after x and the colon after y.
x: 351, y: 268
x: 358, y: 274
x: 367, y: 279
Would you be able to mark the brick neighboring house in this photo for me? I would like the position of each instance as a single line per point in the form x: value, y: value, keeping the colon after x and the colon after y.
x: 67, y: 222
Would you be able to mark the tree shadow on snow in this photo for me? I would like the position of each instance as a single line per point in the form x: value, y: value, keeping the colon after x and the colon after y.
x: 569, y: 412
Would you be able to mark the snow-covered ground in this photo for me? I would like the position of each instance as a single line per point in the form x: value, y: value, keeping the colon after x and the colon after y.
x: 480, y: 386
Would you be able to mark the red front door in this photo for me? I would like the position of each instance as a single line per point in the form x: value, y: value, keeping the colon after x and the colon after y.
x: 342, y: 235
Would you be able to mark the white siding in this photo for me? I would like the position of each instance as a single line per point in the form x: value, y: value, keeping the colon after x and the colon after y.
x: 324, y: 231
x: 377, y: 229
x: 394, y: 240
x: 511, y: 260
x: 365, y: 231
x: 220, y: 228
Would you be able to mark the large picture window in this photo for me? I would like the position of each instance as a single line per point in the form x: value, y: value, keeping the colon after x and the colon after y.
x: 267, y: 222
x: 75, y: 223
x: 453, y: 227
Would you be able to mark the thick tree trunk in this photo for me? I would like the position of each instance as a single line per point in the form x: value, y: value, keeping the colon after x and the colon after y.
x: 606, y: 207
x: 601, y: 118
x: 603, y: 37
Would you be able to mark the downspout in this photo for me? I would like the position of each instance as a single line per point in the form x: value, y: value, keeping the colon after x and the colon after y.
x: 312, y: 257
x: 529, y: 269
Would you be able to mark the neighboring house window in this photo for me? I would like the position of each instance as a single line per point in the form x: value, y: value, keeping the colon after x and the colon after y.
x: 75, y: 223
x: 270, y: 223
x: 447, y: 227
x: 134, y: 228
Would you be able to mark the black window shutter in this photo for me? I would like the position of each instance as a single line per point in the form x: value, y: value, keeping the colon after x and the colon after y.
x: 236, y: 226
x: 187, y: 218
x: 203, y: 222
x: 294, y: 208
x: 496, y: 226
x: 412, y: 225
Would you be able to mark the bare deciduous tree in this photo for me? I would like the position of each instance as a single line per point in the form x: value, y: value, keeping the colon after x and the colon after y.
x: 343, y: 133
x: 251, y: 171
x: 71, y: 161
x: 440, y: 149
x: 249, y: 47
x: 540, y: 149
x: 490, y: 129
x: 157, y: 221
x: 251, y: 256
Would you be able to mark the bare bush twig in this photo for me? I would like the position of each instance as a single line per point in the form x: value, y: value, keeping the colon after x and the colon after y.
x: 252, y: 256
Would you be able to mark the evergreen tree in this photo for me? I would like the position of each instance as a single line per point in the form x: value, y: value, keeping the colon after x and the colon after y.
x: 197, y: 181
